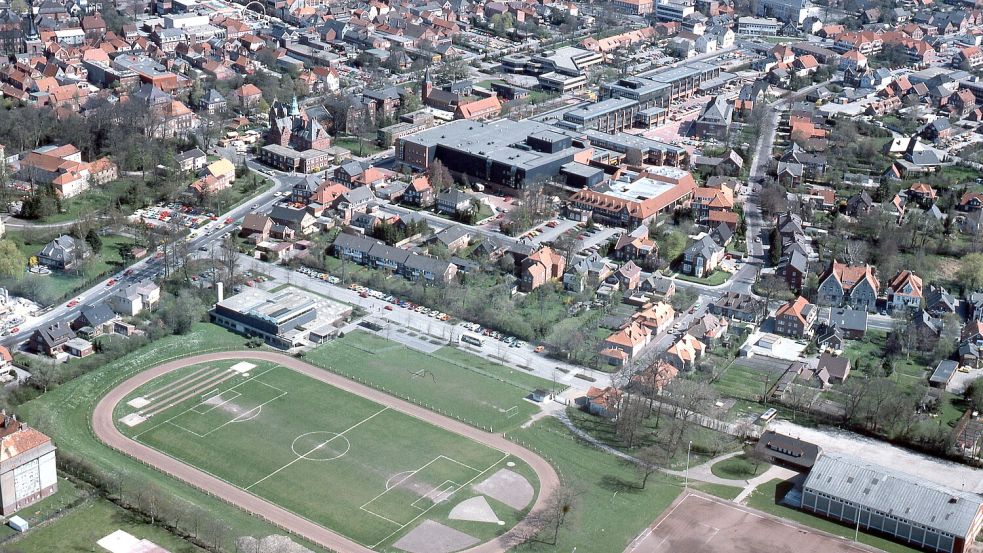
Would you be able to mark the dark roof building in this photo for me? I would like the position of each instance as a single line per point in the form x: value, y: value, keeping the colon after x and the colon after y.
x: 787, y: 451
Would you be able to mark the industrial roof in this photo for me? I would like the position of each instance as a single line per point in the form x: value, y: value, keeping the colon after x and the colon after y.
x: 894, y: 493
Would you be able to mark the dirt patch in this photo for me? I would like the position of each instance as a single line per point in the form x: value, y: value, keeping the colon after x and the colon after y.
x: 508, y: 487
x: 475, y: 509
x: 433, y: 537
x: 699, y: 523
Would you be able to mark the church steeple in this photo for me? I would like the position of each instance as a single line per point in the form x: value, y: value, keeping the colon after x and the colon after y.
x: 294, y: 108
x: 427, y: 87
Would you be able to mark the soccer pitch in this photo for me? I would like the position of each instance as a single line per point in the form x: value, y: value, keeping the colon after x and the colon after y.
x: 354, y: 466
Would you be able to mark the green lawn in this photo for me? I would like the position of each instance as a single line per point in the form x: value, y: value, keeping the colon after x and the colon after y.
x: 90, y: 202
x: 716, y: 278
x: 451, y: 381
x: 242, y: 189
x: 83, y: 526
x: 765, y: 498
x: 66, y: 496
x: 381, y: 468
x: 61, y: 284
x: 742, y: 382
x: 703, y: 439
x: 609, y: 507
x: 369, y: 146
x: 720, y: 490
x: 738, y: 468
x: 64, y: 413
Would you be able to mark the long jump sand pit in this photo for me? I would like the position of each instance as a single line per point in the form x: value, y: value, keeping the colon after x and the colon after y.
x: 698, y: 523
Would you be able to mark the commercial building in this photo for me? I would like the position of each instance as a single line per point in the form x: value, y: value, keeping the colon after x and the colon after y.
x: 633, y: 7
x: 758, y: 26
x: 674, y: 10
x: 611, y: 115
x: 792, y: 11
x: 505, y: 153
x: 283, y: 319
x: 27, y: 465
x: 660, y: 87
x: 636, y: 199
x: 907, y: 508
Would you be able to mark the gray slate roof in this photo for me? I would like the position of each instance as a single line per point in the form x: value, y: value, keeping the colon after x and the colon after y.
x: 884, y: 490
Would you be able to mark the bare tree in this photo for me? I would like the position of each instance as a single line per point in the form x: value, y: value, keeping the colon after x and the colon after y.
x: 630, y: 423
x: 646, y: 464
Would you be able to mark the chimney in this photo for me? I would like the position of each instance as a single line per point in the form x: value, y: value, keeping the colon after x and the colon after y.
x: 220, y: 286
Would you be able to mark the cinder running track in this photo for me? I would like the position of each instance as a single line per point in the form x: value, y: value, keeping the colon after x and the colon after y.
x: 105, y: 429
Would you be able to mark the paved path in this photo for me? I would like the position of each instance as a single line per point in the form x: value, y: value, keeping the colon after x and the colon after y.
x: 105, y: 429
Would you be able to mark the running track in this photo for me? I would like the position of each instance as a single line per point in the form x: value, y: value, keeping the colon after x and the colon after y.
x: 105, y: 429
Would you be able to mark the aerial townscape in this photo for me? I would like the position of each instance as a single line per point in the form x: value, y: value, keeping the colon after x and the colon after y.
x: 546, y: 276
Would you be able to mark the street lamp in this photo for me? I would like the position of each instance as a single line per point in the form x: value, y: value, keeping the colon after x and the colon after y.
x: 689, y: 447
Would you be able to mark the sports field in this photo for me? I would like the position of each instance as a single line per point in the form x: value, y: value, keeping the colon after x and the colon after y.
x: 460, y: 384
x: 363, y: 470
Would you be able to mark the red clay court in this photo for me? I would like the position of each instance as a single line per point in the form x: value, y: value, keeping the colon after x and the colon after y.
x: 698, y: 523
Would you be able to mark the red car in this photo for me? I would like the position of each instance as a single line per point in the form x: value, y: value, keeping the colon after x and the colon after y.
x: 388, y: 307
x: 73, y: 303
x: 228, y: 220
x: 15, y: 330
x: 111, y: 282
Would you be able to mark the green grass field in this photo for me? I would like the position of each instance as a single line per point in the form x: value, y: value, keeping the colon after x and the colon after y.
x: 383, y: 471
x: 64, y: 414
x: 738, y: 468
x: 452, y: 381
x: 741, y: 382
x: 83, y: 526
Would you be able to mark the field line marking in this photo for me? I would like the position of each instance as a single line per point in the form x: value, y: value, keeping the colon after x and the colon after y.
x: 326, y: 442
x: 237, y: 417
x: 213, y: 406
x: 447, y: 486
x: 465, y: 485
x: 409, y: 474
x: 380, y: 516
x: 451, y: 459
x: 137, y: 436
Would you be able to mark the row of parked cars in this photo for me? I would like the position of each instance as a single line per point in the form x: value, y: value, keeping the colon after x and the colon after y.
x: 476, y: 328
x: 314, y: 273
x: 394, y: 301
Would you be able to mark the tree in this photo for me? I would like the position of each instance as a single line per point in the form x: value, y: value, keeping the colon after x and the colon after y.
x: 775, y: 246
x: 632, y: 413
x: 970, y: 273
x: 646, y: 464
x: 773, y: 287
x: 12, y: 261
x: 440, y: 177
x: 95, y: 242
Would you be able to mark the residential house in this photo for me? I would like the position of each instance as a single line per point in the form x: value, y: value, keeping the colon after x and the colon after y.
x: 796, y: 318
x: 419, y: 192
x: 685, y: 352
x: 191, y: 160
x: 922, y: 194
x: 904, y: 291
x: 51, y: 339
x: 656, y: 316
x: 709, y: 329
x: 943, y: 374
x: 623, y: 345
x: 635, y: 246
x: 939, y: 302
x: 851, y: 322
x: 64, y: 253
x: 298, y: 219
x: 838, y: 367
x: 735, y: 305
x: 454, y: 201
x: 540, y: 267
x: 603, y: 402
x: 658, y: 287
x: 95, y: 320
x: 133, y: 299
x: 256, y: 227
x: 855, y: 286
x: 651, y: 380
x: 702, y: 257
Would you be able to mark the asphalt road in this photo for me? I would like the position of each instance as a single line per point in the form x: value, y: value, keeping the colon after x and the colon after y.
x: 149, y: 267
x: 105, y: 429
